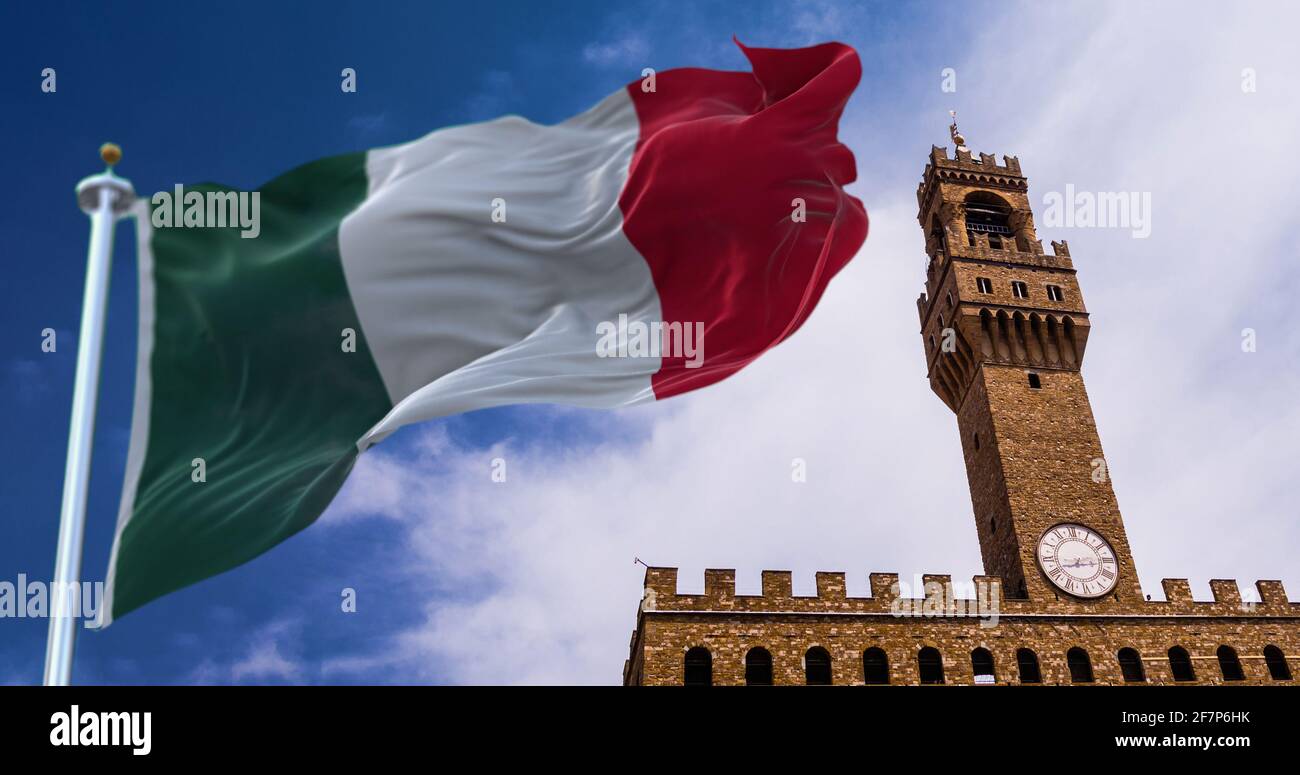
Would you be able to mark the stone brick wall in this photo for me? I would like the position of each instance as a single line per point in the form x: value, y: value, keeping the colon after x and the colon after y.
x: 729, y: 625
x: 999, y: 541
x: 1045, y: 442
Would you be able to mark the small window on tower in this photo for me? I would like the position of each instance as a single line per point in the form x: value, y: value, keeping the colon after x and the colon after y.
x: 1054, y: 293
x: 977, y: 441
x: 949, y: 299
x: 981, y: 662
x: 758, y: 667
x: 1019, y: 289
x: 817, y: 667
x: 1034, y: 382
x: 1027, y: 661
x: 1130, y: 665
x: 698, y: 667
x: 1080, y: 665
x: 1278, y: 669
x: 875, y: 666
x: 984, y: 284
x: 1180, y: 664
x: 930, y: 665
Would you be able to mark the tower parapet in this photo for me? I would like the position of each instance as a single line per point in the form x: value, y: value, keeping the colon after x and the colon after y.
x: 889, y: 596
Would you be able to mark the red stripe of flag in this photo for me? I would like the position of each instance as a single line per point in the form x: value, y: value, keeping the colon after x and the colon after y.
x: 708, y: 201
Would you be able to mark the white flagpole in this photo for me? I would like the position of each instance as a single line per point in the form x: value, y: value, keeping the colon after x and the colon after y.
x: 105, y: 198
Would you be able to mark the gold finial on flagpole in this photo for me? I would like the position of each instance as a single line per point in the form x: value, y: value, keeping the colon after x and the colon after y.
x: 88, y: 189
x: 111, y: 153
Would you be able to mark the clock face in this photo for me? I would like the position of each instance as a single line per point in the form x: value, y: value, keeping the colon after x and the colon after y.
x: 1078, y: 560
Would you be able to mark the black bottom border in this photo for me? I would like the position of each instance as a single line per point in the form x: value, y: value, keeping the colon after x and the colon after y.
x: 241, y: 723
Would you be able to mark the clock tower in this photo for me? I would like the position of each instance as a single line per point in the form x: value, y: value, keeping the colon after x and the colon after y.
x: 1004, y: 329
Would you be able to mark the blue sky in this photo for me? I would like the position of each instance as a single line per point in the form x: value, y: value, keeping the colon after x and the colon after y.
x: 238, y: 96
x: 450, y: 584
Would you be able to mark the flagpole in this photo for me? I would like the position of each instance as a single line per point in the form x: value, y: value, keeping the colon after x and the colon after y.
x: 105, y: 198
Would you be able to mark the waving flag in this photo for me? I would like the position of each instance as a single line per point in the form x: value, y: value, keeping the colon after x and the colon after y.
x: 488, y: 264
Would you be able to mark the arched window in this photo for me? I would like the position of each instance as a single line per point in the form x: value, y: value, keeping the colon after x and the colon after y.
x: 758, y: 667
x: 1080, y: 665
x: 1068, y: 340
x: 981, y: 663
x: 930, y: 664
x: 1181, y: 664
x: 1229, y: 664
x: 817, y: 667
x: 699, y: 667
x: 1027, y: 662
x: 990, y: 214
x: 1130, y: 664
x: 1278, y: 669
x: 938, y: 234
x: 875, y: 666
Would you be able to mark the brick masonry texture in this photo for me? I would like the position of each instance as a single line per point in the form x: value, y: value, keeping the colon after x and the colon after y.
x: 1033, y: 460
x: 728, y: 625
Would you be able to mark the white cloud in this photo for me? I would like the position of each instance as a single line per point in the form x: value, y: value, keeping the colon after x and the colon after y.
x: 264, y: 660
x: 1201, y: 437
x: 369, y: 124
x: 627, y: 49
x: 498, y: 93
x: 816, y: 21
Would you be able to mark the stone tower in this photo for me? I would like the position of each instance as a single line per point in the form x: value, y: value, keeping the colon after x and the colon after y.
x: 1004, y: 330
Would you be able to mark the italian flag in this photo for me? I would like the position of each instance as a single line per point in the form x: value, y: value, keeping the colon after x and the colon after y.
x: 488, y: 264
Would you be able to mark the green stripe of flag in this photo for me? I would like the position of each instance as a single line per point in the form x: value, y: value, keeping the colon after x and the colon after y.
x: 248, y: 373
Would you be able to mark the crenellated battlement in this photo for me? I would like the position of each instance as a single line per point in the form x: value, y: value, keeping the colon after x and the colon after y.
x: 937, y: 595
x: 1009, y: 253
x: 963, y: 159
x: 965, y: 168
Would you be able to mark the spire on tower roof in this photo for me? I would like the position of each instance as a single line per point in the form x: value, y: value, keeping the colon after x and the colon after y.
x: 957, y: 136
